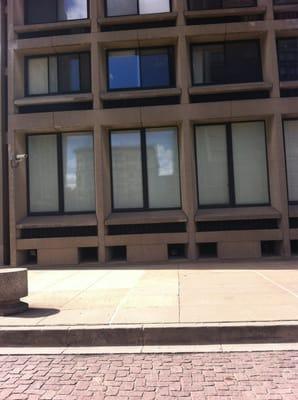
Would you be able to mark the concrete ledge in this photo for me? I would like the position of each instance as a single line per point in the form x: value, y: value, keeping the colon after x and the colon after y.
x: 13, y: 286
x: 150, y: 335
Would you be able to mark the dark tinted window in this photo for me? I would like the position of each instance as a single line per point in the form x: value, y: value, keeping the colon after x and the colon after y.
x: 121, y: 7
x: 40, y: 11
x: 288, y: 59
x: 281, y: 2
x: 217, y: 4
x: 155, y: 71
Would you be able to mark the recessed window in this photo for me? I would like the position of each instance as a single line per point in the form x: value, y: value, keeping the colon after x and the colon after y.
x: 230, y: 62
x: 217, y: 4
x: 135, y: 7
x: 232, y: 164
x: 64, y: 73
x: 291, y: 147
x: 282, y: 2
x: 45, y: 11
x: 140, y: 68
x: 287, y: 58
x: 145, y: 169
x: 61, y: 173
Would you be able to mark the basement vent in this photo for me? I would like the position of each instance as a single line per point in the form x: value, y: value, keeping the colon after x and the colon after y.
x: 239, y: 225
x: 271, y: 248
x: 147, y: 102
x: 289, y: 93
x: 118, y: 253
x: 293, y: 223
x: 40, y: 233
x: 56, y: 107
x: 207, y: 250
x: 294, y: 247
x: 225, y: 19
x: 286, y: 15
x: 146, y: 25
x: 60, y: 32
x: 146, y: 229
x: 176, y: 251
x: 208, y: 98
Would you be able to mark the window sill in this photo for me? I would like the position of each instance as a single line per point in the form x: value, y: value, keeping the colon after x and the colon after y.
x: 230, y: 87
x: 53, y: 26
x: 137, y: 94
x: 229, y: 214
x: 224, y: 12
x: 289, y: 85
x: 57, y: 221
x: 132, y: 19
x: 54, y: 99
x: 286, y: 8
x: 145, y: 217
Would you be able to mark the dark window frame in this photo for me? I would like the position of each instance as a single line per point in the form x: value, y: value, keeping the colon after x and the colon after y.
x: 60, y: 177
x: 28, y: 58
x: 294, y: 202
x: 130, y: 15
x: 171, y: 67
x: 278, y: 40
x: 224, y: 44
x: 230, y: 163
x: 221, y: 7
x: 143, y: 150
x: 55, y: 4
x: 286, y: 3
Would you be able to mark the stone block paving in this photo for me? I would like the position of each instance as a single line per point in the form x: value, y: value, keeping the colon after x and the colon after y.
x: 210, y: 376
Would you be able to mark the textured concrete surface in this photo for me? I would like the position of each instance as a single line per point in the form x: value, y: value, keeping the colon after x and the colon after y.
x: 181, y: 294
x: 208, y: 376
x: 13, y: 286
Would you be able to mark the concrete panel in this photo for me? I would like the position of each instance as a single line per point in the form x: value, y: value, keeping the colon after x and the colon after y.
x: 229, y: 250
x: 57, y: 256
x: 147, y: 253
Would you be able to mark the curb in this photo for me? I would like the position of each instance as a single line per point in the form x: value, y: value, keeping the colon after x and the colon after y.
x: 149, y: 335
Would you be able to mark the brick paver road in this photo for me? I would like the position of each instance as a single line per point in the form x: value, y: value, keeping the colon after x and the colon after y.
x: 220, y: 376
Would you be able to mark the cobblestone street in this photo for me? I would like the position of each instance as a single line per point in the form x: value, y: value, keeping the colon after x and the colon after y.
x: 220, y: 376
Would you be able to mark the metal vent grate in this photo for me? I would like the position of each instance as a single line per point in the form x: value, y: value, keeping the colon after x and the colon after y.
x: 293, y: 223
x: 39, y: 233
x: 146, y: 229
x: 239, y: 225
x: 286, y: 15
x: 60, y: 32
x: 142, y: 102
x: 148, y: 25
x: 56, y: 107
x: 208, y: 98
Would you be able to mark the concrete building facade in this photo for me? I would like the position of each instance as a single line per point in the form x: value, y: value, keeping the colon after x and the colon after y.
x: 152, y: 131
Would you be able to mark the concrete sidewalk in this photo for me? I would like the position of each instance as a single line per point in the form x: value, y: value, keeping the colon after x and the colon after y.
x: 179, y: 294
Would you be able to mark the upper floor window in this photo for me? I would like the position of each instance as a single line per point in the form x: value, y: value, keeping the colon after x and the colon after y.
x: 61, y: 173
x: 47, y: 11
x: 232, y: 164
x: 291, y: 147
x: 217, y: 4
x: 288, y: 59
x: 229, y: 62
x: 145, y: 169
x: 141, y: 68
x: 135, y: 7
x: 58, y: 74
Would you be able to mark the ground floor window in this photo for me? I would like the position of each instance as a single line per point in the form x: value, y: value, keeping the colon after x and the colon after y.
x: 291, y: 146
x: 145, y: 169
x: 232, y: 164
x: 61, y: 173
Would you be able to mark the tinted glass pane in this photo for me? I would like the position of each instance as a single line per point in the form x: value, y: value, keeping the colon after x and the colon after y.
x: 242, y: 62
x: 238, y: 3
x: 69, y: 73
x: 121, y: 7
x: 43, y: 173
x: 154, y: 6
x: 250, y: 165
x: 53, y: 75
x: 72, y: 9
x: 291, y: 145
x: 280, y: 2
x: 85, y: 74
x: 78, y: 173
x: 38, y: 76
x: 124, y: 69
x: 204, y: 4
x: 163, y: 168
x: 155, y: 68
x: 288, y: 59
x: 208, y: 64
x: 212, y: 165
x: 127, y: 170
x: 40, y: 11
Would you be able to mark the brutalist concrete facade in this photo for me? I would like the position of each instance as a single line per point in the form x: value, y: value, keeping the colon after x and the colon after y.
x: 179, y: 28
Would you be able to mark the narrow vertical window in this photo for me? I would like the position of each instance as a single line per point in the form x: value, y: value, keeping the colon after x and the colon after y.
x: 291, y: 147
x: 124, y: 70
x: 288, y: 59
x: 38, y: 71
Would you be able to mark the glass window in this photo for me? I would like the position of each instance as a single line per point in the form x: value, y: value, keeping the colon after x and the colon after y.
x: 230, y: 62
x: 61, y: 173
x: 127, y: 170
x: 288, y: 59
x: 217, y: 4
x: 78, y: 173
x: 154, y: 6
x: 145, y: 169
x: 38, y: 75
x: 65, y: 73
x: 250, y: 163
x: 121, y: 7
x: 232, y: 164
x: 45, y: 11
x: 43, y: 173
x: 212, y: 165
x: 291, y: 146
x: 163, y: 168
x: 144, y: 68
